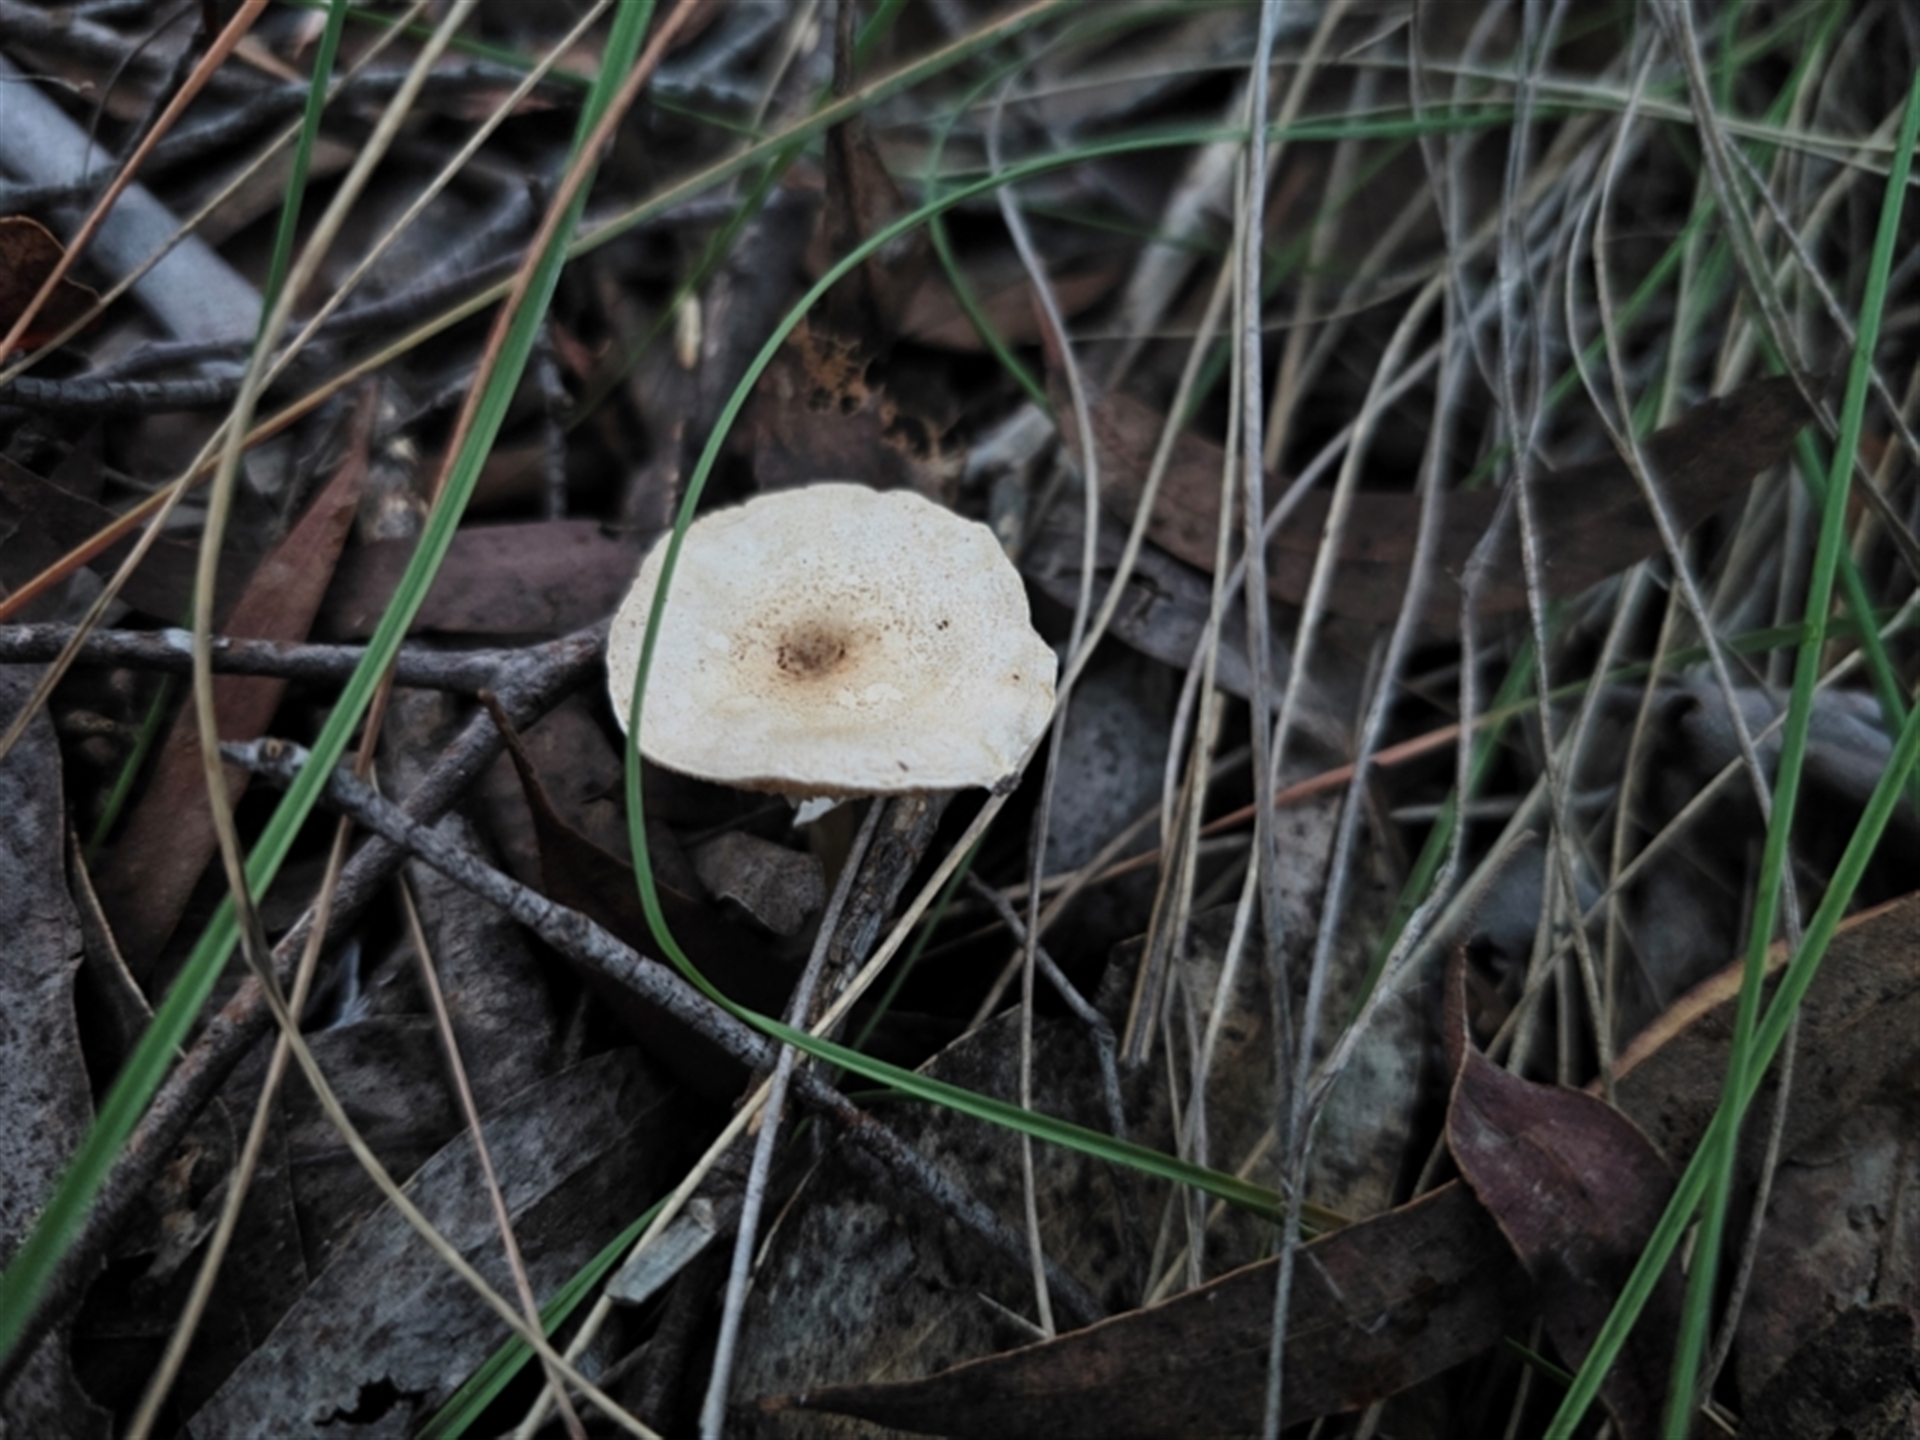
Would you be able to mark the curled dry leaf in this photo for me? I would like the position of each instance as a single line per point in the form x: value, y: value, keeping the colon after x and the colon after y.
x: 1577, y: 1190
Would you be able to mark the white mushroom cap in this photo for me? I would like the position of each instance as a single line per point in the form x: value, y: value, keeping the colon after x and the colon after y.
x: 836, y: 641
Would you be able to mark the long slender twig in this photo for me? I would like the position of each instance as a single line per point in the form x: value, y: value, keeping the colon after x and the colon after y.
x: 168, y: 652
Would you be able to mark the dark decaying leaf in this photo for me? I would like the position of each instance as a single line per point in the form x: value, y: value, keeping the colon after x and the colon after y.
x: 543, y: 578
x: 388, y: 1330
x: 821, y: 412
x: 495, y: 981
x: 1859, y: 1378
x: 862, y: 199
x: 1006, y: 297
x: 581, y: 876
x: 857, y: 1285
x: 1441, y: 1266
x: 41, y: 520
x: 28, y: 254
x: 777, y: 888
x: 1841, y: 1227
x: 1577, y: 1190
x: 1376, y: 1307
x: 169, y: 837
x: 45, y: 1105
x: 1594, y: 521
x: 1163, y: 614
x: 1859, y: 1037
x: 1842, y: 1231
x: 830, y: 406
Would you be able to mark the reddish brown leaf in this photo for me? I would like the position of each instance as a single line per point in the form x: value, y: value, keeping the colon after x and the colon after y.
x: 542, y: 578
x: 1577, y: 1189
x: 1376, y: 1307
x: 1593, y: 519
x: 169, y: 838
x: 28, y: 254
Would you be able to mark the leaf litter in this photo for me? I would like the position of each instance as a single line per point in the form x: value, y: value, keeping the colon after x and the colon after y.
x: 891, y: 1298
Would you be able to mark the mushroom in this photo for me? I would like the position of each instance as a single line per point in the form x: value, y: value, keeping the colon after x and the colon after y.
x: 835, y: 641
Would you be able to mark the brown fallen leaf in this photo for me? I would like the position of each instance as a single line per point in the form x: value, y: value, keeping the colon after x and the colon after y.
x: 862, y: 198
x: 1377, y: 1306
x: 169, y: 837
x: 1593, y: 519
x: 1436, y: 1276
x: 816, y: 413
x: 773, y: 886
x: 1859, y: 1037
x: 575, y: 1154
x: 44, y: 520
x: 28, y: 253
x: 542, y: 578
x: 1577, y: 1190
x: 45, y: 1103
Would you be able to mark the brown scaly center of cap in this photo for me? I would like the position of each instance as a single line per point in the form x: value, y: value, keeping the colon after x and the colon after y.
x: 807, y: 652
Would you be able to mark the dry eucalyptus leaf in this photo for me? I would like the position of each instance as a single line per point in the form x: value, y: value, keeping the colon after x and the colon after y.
x: 41, y: 520
x: 1593, y: 518
x: 1394, y: 1300
x: 28, y: 254
x: 1859, y: 1378
x: 1859, y: 1039
x: 855, y: 1287
x: 169, y: 838
x: 540, y: 579
x: 387, y: 1332
x: 1000, y: 286
x: 45, y: 1102
x: 1842, y: 1234
x: 1377, y: 1307
x: 1163, y: 614
x: 577, y: 873
x: 494, y: 979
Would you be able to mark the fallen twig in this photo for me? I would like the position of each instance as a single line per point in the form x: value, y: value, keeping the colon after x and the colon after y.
x: 169, y: 651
